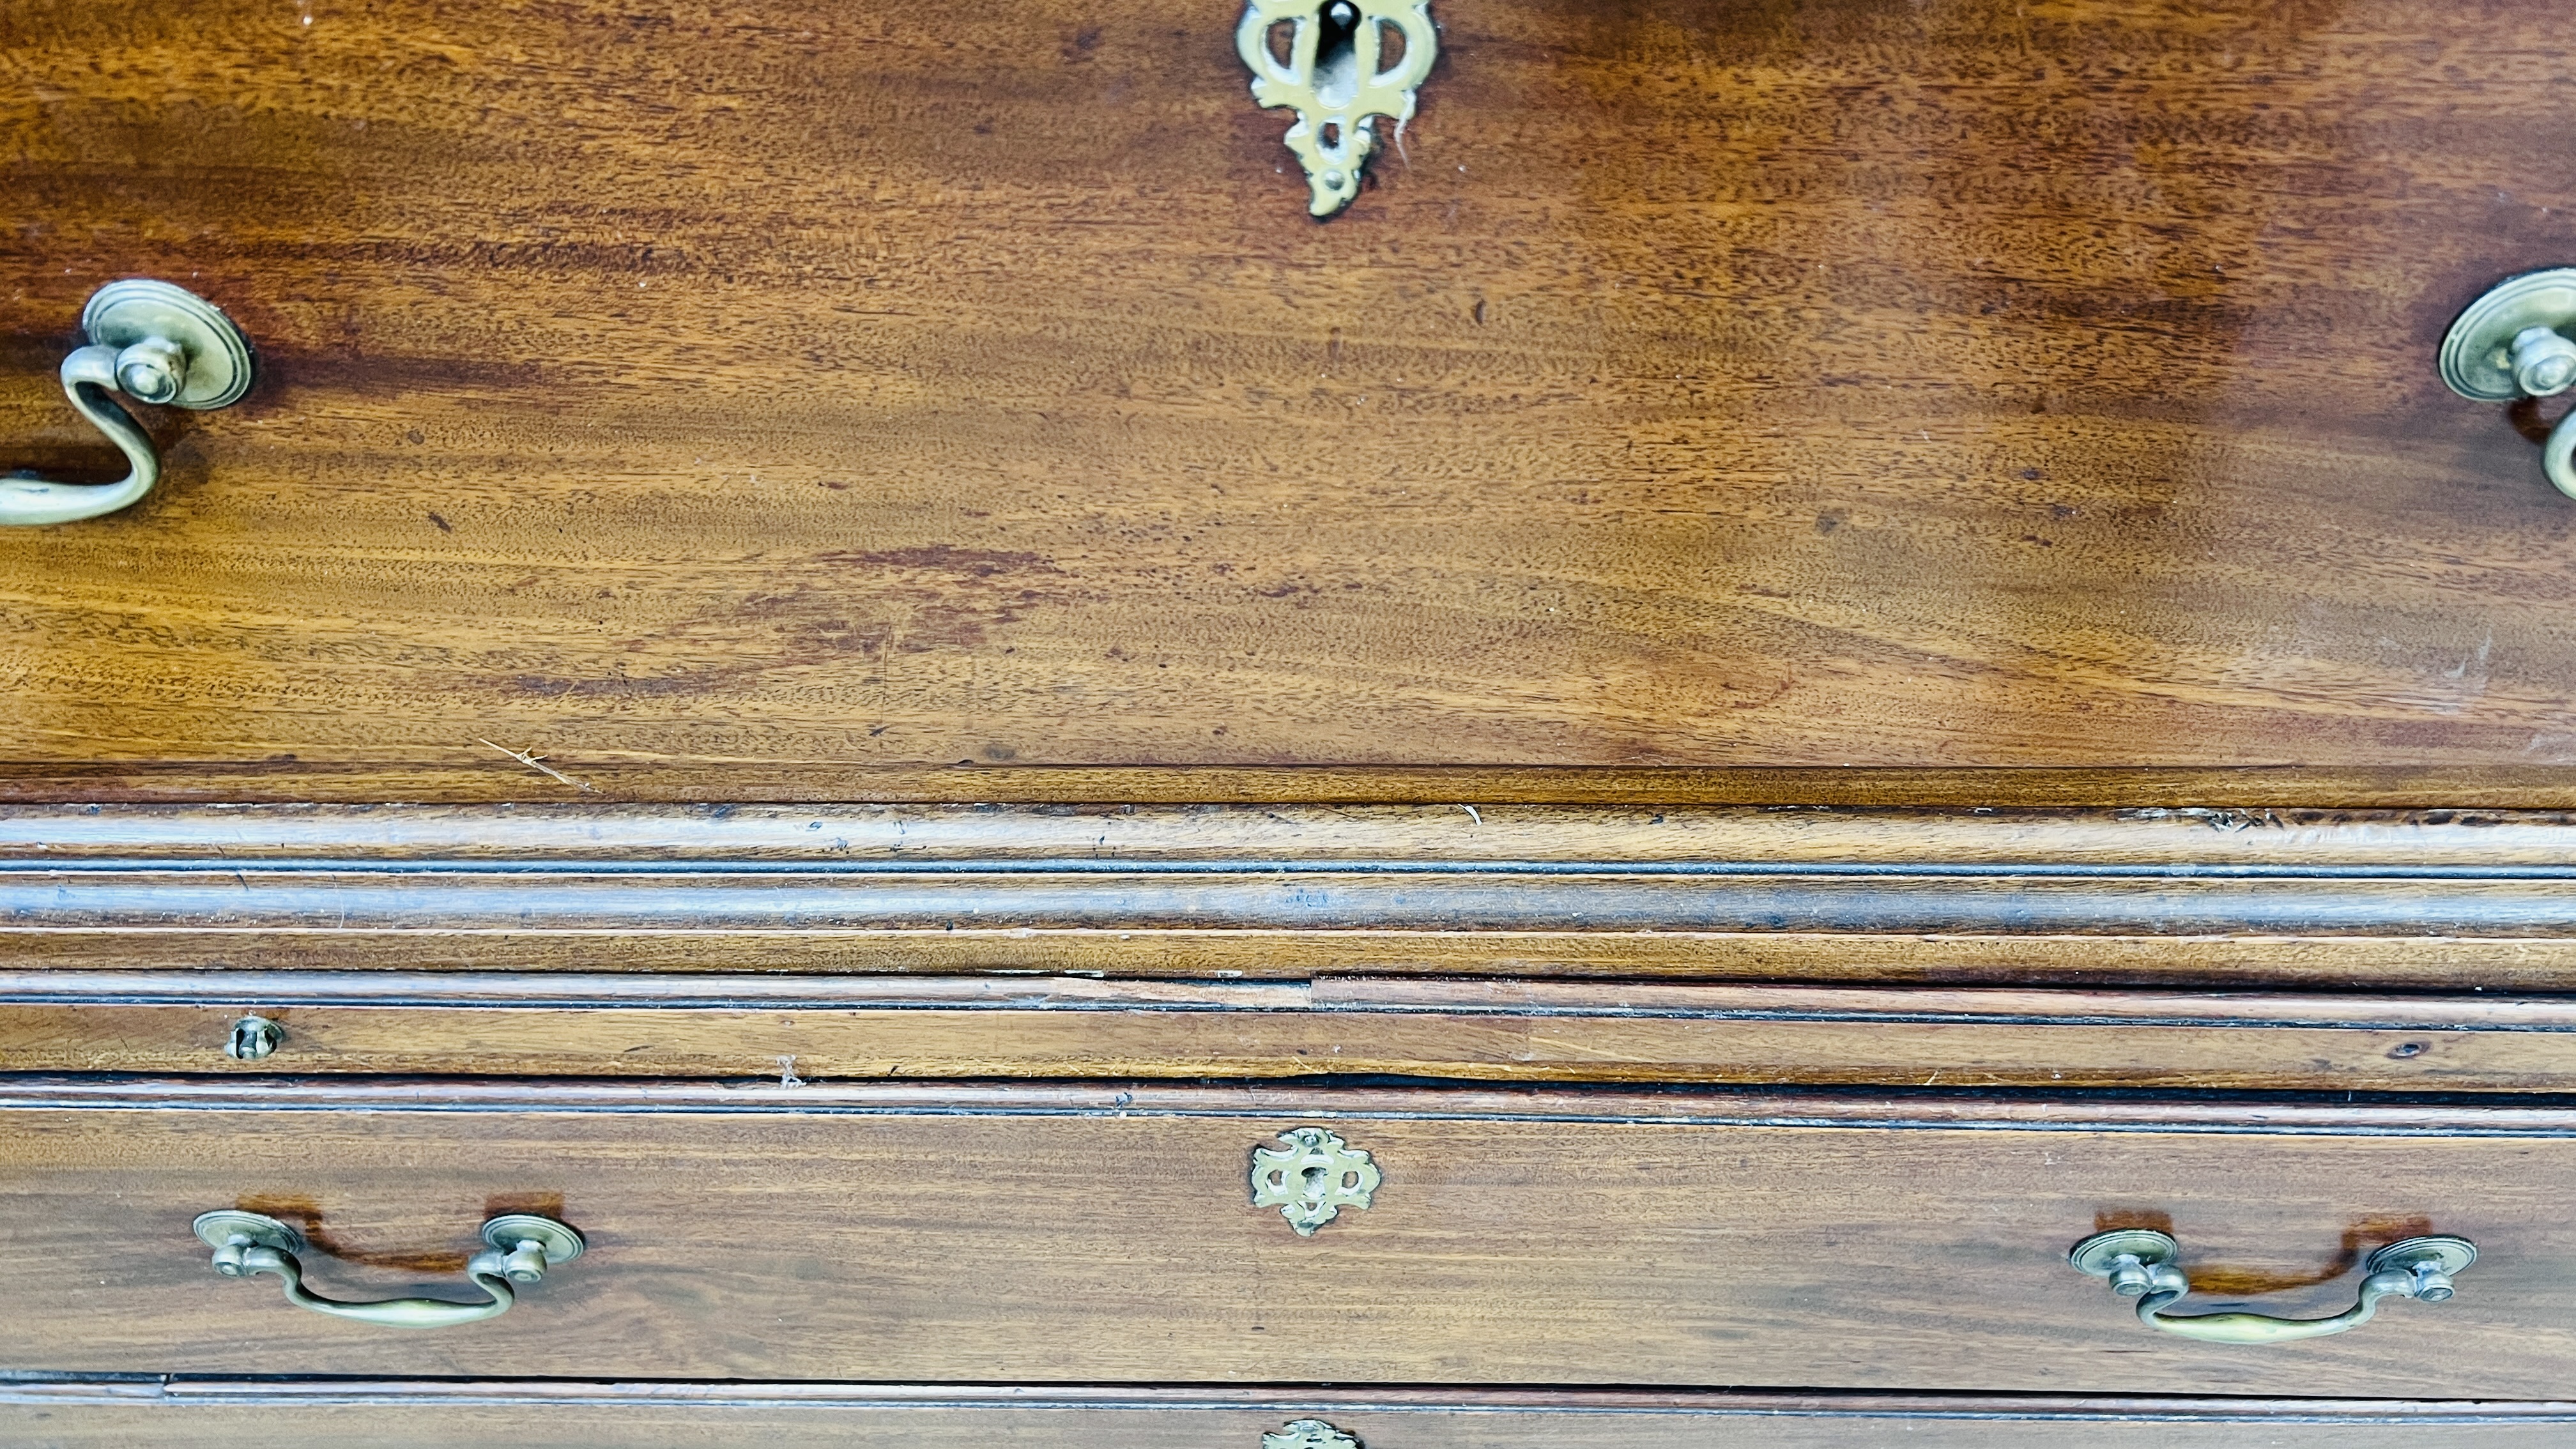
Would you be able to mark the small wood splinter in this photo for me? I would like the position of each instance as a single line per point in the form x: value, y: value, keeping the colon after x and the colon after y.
x: 538, y: 763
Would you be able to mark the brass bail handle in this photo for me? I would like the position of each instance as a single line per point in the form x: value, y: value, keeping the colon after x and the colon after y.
x: 2518, y: 341
x: 2140, y: 1263
x: 155, y: 343
x: 519, y: 1248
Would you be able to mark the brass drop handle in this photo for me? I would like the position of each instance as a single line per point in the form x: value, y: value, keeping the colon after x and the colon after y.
x: 155, y: 343
x: 519, y: 1249
x: 2515, y: 342
x: 2139, y: 1263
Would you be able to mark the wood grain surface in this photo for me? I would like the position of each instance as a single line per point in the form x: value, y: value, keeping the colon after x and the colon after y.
x: 2333, y: 900
x: 818, y: 1029
x: 773, y: 398
x: 504, y: 780
x: 554, y: 1415
x: 1106, y: 1235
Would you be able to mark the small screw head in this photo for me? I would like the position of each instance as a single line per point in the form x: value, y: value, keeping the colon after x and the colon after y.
x: 152, y: 370
x: 253, y: 1039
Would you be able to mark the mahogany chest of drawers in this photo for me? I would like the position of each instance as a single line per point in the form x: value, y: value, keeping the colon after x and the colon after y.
x: 1385, y: 724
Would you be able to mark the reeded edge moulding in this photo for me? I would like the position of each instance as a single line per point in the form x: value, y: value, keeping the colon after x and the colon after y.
x: 1332, y: 80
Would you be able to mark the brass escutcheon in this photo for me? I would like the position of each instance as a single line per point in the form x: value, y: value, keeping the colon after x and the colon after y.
x: 1309, y: 1434
x: 253, y: 1039
x: 1334, y: 75
x: 1312, y: 1178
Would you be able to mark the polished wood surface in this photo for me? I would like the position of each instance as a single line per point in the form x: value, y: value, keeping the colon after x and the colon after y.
x: 1106, y: 1235
x: 553, y: 1415
x: 504, y: 780
x: 828, y: 1028
x: 2333, y: 900
x: 743, y: 401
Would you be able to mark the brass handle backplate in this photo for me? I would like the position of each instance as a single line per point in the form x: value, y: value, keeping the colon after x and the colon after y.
x: 519, y: 1249
x: 2518, y: 341
x: 2140, y: 1263
x: 155, y: 343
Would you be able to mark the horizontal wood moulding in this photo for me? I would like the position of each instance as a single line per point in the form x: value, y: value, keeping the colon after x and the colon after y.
x: 2210, y: 1115
x: 818, y: 1029
x: 2172, y: 840
x: 2450, y: 899
x: 1613, y: 1239
x: 547, y: 1414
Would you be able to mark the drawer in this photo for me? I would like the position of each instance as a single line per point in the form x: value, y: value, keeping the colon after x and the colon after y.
x: 1053, y: 1234
x: 823, y: 1028
x: 797, y: 404
x: 545, y: 1415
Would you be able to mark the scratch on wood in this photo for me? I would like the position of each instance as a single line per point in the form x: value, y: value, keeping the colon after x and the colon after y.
x: 538, y: 763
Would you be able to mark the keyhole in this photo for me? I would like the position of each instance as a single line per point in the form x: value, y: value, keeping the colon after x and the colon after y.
x: 1315, y: 1180
x: 1337, y: 55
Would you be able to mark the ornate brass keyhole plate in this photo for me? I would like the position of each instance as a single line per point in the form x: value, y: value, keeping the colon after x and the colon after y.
x: 1309, y: 1434
x: 1340, y: 65
x: 1313, y: 1178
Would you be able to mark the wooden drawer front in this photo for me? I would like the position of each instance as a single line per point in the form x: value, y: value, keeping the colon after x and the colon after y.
x: 794, y: 393
x: 823, y: 1028
x: 1101, y: 1236
x: 526, y: 1415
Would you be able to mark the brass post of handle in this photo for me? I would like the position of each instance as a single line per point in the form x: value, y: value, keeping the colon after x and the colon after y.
x: 2140, y: 1263
x: 520, y: 1247
x: 155, y: 343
